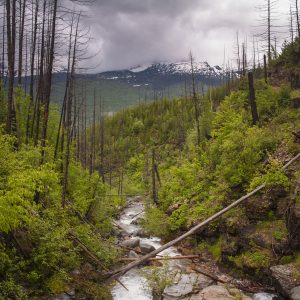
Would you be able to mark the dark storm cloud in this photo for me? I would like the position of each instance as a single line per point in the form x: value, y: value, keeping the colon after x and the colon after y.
x: 133, y: 32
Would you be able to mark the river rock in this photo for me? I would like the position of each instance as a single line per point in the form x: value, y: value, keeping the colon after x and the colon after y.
x: 264, y: 296
x: 295, y: 293
x: 133, y: 254
x: 131, y: 243
x: 217, y: 292
x: 184, y: 287
x: 146, y: 248
x: 138, y: 221
x: 140, y: 233
x: 287, y: 279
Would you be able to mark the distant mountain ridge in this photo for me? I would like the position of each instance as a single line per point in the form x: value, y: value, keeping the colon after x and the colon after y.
x: 122, y: 88
x: 159, y: 74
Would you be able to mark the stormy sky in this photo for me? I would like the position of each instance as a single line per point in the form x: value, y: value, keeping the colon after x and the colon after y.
x: 136, y: 32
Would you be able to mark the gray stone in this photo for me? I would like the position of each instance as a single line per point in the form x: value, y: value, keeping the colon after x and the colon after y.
x: 286, y: 277
x: 184, y: 287
x: 264, y: 296
x: 146, y: 248
x: 142, y: 233
x: 217, y: 292
x: 203, y: 281
x: 131, y: 243
x: 295, y: 293
x: 133, y: 254
x: 138, y: 221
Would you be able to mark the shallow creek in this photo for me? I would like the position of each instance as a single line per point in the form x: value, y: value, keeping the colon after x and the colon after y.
x: 134, y: 280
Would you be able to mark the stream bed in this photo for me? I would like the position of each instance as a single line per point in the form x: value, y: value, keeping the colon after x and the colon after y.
x: 184, y: 285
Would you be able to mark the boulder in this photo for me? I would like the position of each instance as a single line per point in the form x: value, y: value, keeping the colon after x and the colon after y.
x: 217, y: 292
x: 184, y: 287
x: 287, y: 279
x: 131, y: 243
x: 203, y: 282
x: 146, y: 248
x: 295, y: 293
x: 133, y: 254
x: 141, y: 233
x: 264, y: 296
x: 187, y: 285
x: 138, y: 221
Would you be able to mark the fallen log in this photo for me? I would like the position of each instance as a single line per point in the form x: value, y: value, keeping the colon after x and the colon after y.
x: 136, y: 263
x: 162, y: 258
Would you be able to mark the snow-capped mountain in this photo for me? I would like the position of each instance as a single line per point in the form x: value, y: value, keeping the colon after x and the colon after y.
x: 160, y: 75
x: 122, y: 88
x: 183, y: 67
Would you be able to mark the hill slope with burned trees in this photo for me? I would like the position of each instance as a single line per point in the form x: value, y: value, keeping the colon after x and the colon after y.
x: 64, y: 174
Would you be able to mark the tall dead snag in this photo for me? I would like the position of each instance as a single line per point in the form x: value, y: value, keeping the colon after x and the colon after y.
x: 269, y: 30
x: 92, y: 150
x: 265, y: 69
x: 22, y: 9
x: 3, y: 44
x: 254, y: 112
x: 195, y: 100
x: 32, y: 65
x: 291, y: 24
x: 102, y: 173
x: 154, y: 191
x: 69, y: 118
x: 48, y: 77
x: 11, y: 48
x: 238, y: 53
x: 297, y: 17
x: 61, y: 125
x: 40, y: 90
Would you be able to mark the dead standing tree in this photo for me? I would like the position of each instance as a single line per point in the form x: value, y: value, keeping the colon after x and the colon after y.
x: 11, y: 48
x: 195, y: 100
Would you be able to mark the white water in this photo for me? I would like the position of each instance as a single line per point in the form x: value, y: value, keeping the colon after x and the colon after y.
x: 134, y: 280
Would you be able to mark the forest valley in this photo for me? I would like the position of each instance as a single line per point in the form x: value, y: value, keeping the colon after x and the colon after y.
x: 66, y: 172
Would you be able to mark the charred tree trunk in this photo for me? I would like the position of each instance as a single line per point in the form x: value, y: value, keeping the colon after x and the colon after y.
x: 297, y: 16
x: 265, y: 69
x: 21, y: 39
x: 254, y: 112
x: 11, y: 38
x: 195, y: 100
x: 48, y: 81
x: 154, y: 192
x: 32, y: 60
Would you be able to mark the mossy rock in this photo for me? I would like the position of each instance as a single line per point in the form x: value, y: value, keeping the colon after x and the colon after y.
x: 271, y: 235
x: 259, y: 206
x: 255, y: 260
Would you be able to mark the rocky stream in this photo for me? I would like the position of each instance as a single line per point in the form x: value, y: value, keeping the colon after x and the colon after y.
x: 187, y: 284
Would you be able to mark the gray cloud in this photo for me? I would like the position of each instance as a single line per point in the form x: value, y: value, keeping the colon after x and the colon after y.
x: 133, y: 32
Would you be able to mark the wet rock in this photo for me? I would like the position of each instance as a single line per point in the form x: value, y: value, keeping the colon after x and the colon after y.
x: 146, y: 248
x: 217, y: 292
x: 264, y: 296
x: 131, y: 243
x: 182, y: 288
x: 133, y: 254
x: 141, y: 233
x: 138, y: 221
x: 295, y: 293
x: 287, y: 279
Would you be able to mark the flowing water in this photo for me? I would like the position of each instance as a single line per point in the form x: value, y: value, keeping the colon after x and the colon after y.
x: 134, y: 280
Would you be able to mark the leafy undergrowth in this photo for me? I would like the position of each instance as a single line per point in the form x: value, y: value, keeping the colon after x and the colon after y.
x: 37, y: 254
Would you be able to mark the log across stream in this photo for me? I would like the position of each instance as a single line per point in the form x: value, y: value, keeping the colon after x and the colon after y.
x: 136, y: 283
